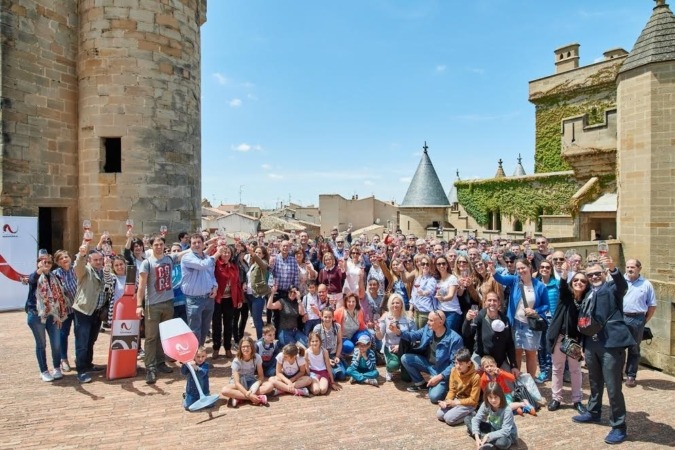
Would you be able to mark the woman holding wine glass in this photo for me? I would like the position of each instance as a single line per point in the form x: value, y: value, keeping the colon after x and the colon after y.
x: 446, y: 295
x: 423, y: 294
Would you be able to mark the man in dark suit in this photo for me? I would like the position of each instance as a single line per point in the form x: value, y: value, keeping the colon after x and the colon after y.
x: 605, y: 352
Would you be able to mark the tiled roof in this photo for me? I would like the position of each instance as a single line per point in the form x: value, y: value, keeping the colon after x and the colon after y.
x: 656, y: 42
x: 425, y: 188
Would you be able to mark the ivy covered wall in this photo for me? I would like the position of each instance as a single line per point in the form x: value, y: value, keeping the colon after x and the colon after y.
x: 590, y: 95
x: 520, y: 198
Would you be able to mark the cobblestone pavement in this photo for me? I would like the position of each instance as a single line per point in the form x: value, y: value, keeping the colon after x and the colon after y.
x: 131, y: 414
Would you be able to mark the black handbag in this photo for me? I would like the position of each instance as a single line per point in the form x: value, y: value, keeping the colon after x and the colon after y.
x: 536, y: 323
x: 571, y: 346
x: 521, y: 393
x: 647, y: 335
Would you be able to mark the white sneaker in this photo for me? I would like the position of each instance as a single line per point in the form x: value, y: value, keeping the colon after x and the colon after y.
x: 387, y: 376
x: 57, y: 375
x: 65, y: 367
x: 46, y: 376
x: 302, y: 391
x: 372, y: 382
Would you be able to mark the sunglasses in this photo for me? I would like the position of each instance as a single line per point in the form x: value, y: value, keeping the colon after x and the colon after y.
x: 424, y: 264
x: 355, y: 253
x: 541, y: 242
x: 593, y: 274
x: 508, y: 261
x: 462, y: 262
x: 558, y: 259
x: 579, y: 280
x: 545, y: 267
x: 441, y: 264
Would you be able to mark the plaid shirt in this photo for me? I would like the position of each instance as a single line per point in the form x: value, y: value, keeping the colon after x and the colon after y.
x: 69, y: 282
x: 285, y: 272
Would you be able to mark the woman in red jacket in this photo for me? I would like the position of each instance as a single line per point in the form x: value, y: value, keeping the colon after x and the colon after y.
x: 228, y: 298
x: 352, y: 323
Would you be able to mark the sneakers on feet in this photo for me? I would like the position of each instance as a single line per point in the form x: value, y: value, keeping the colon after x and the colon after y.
x: 263, y: 400
x: 141, y: 354
x: 93, y: 368
x: 630, y: 382
x: 587, y: 417
x: 234, y: 402
x: 372, y: 382
x: 353, y: 381
x: 164, y: 368
x: 616, y: 436
x: 57, y: 375
x: 151, y: 377
x: 65, y: 367
x: 387, y: 376
x: 302, y: 392
x: 542, y: 378
x: 83, y: 378
x: 417, y: 388
x: 275, y: 392
x: 46, y: 376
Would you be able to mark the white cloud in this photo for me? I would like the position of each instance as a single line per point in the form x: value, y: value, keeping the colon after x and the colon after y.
x: 235, y: 103
x: 244, y: 147
x: 275, y: 176
x: 266, y: 166
x: 247, y: 84
x: 220, y: 78
x: 405, y: 179
x: 252, y: 97
x: 441, y: 68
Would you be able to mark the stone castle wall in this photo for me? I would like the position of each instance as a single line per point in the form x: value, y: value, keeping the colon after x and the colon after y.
x: 74, y: 72
x: 38, y: 162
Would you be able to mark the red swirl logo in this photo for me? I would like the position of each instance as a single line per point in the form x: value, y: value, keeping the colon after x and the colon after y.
x: 7, y: 228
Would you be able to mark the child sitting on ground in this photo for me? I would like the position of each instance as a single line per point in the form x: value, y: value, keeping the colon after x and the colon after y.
x: 291, y: 377
x: 201, y: 368
x: 363, y: 370
x: 268, y: 348
x: 318, y: 366
x: 247, y: 375
x: 464, y: 392
x: 493, y: 373
x: 493, y: 425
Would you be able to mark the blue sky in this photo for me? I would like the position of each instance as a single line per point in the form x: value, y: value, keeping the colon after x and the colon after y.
x: 301, y: 98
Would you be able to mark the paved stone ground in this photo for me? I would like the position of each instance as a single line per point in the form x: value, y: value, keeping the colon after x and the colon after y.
x: 129, y: 413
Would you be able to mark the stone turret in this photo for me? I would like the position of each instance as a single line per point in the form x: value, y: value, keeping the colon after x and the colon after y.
x: 101, y: 115
x: 425, y: 204
x: 520, y: 170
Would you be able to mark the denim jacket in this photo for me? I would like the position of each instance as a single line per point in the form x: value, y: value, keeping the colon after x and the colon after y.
x: 515, y: 297
x: 445, y: 350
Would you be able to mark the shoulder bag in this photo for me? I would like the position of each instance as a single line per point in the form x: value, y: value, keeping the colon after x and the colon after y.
x: 536, y: 323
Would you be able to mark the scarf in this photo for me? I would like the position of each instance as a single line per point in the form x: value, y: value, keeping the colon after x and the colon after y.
x: 50, y: 299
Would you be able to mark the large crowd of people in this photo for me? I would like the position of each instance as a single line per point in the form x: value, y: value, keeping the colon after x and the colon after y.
x: 451, y: 318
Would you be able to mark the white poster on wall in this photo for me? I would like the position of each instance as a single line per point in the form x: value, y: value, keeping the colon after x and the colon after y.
x: 18, y: 256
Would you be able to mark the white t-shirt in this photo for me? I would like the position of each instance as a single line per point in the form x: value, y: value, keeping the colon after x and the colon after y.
x: 310, y: 300
x: 246, y: 368
x: 316, y: 362
x: 290, y: 368
x: 443, y: 287
x: 530, y: 299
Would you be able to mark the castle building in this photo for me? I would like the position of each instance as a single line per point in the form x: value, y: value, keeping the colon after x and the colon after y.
x: 101, y: 116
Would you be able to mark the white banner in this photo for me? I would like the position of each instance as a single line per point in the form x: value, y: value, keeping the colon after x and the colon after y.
x: 18, y: 257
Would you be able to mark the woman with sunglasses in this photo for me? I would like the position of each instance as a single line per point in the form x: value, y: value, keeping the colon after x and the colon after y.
x: 545, y: 275
x: 446, y: 295
x: 424, y: 290
x: 354, y: 272
x: 564, y: 324
x: 484, y: 283
x: 527, y: 298
x: 605, y: 352
x: 463, y: 271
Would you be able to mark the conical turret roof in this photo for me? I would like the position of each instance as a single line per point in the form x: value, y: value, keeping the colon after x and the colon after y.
x: 520, y: 171
x: 656, y: 42
x: 425, y: 188
x: 452, y: 195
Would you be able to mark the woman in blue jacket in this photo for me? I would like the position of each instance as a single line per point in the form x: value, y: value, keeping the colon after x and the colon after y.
x: 528, y: 298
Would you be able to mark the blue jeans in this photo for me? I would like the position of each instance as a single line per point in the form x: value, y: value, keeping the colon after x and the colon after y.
x: 180, y: 312
x: 339, y: 370
x: 292, y: 336
x: 65, y: 333
x: 454, y: 321
x: 310, y: 324
x: 199, y: 314
x: 415, y: 365
x: 257, y: 304
x: 543, y: 355
x: 40, y: 330
x: 86, y: 333
x: 636, y: 325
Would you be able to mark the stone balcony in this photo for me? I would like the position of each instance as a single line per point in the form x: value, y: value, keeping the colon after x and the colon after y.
x: 590, y: 149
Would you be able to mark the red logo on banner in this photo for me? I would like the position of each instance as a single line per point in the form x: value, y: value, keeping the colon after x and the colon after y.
x: 8, y: 229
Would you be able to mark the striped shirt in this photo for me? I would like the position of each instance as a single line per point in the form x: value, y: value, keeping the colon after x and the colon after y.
x: 285, y: 272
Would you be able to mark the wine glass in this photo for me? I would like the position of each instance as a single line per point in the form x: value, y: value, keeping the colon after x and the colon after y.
x: 163, y: 230
x: 86, y: 224
x: 88, y: 236
x: 43, y: 254
x: 130, y: 224
x: 603, y: 248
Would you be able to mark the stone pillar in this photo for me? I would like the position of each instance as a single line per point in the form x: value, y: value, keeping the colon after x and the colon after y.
x: 139, y: 81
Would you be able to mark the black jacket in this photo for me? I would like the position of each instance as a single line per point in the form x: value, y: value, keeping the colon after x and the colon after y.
x: 564, y: 319
x: 478, y: 333
x: 609, y: 308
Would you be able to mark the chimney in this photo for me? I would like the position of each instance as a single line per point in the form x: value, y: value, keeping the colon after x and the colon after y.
x: 566, y: 58
x: 614, y: 53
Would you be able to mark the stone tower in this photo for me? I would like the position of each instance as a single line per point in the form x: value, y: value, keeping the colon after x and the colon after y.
x: 646, y: 136
x: 425, y: 204
x: 646, y: 165
x: 101, y: 115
